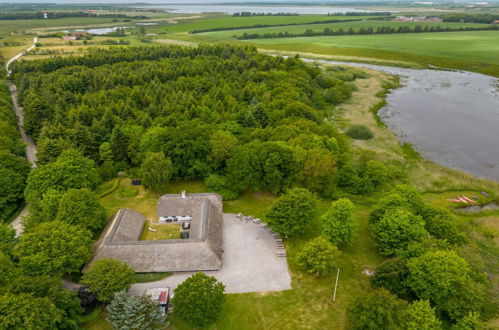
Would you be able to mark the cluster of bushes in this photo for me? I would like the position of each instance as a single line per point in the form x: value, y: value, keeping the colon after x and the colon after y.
x: 423, y: 266
x: 237, y: 118
x: 360, y: 132
x: 363, y: 31
x: 14, y: 167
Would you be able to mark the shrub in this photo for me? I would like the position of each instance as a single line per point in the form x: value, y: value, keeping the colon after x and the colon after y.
x: 105, y: 277
x: 360, y: 132
x: 198, y: 300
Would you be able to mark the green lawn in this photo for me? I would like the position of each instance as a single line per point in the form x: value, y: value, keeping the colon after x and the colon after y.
x: 356, y: 26
x: 163, y: 231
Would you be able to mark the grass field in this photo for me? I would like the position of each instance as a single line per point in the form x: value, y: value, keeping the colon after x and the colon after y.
x: 356, y: 26
x: 480, y: 46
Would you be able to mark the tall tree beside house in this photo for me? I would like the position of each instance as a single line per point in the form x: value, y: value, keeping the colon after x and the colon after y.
x: 156, y: 171
x: 105, y: 277
x: 54, y: 248
x: 70, y: 170
x: 292, y: 211
x: 81, y: 207
x: 318, y: 256
x: 338, y: 224
x: 198, y: 300
x: 130, y: 312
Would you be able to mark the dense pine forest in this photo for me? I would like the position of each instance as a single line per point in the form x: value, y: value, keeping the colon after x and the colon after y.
x: 234, y: 117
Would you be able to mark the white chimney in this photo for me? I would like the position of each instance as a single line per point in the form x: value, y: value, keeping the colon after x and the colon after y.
x: 183, y: 193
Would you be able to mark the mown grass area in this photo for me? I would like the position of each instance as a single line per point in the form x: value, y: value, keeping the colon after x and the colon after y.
x: 235, y: 22
x: 99, y: 322
x: 163, y: 231
x: 355, y: 26
x: 150, y: 277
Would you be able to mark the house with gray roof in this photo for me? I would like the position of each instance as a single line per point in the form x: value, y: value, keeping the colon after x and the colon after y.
x: 202, y: 251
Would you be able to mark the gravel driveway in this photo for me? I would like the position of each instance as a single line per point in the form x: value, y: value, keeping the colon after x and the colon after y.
x: 249, y: 262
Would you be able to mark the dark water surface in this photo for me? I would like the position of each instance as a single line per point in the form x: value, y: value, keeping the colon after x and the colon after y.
x: 451, y: 117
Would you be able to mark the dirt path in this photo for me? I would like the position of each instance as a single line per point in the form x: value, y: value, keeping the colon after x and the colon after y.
x: 18, y: 56
x: 30, y: 144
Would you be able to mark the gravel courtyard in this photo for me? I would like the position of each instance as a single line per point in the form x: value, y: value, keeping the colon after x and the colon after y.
x: 249, y: 262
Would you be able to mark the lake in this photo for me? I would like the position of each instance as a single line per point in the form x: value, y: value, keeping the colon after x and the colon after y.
x: 451, y: 117
x: 234, y: 8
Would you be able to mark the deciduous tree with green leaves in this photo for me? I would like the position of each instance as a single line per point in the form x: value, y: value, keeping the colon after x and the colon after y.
x: 469, y: 322
x: 54, y: 248
x: 70, y: 170
x: 338, y: 224
x: 81, y: 207
x: 105, y: 277
x: 198, y: 300
x: 222, y: 144
x: 130, y: 312
x: 24, y: 311
x: 436, y: 275
x: 66, y: 301
x: 318, y: 256
x: 292, y: 211
x: 377, y: 310
x: 396, y: 230
x: 156, y: 171
x: 421, y: 316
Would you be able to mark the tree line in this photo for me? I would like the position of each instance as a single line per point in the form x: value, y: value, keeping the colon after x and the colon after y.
x: 256, y: 26
x: 470, y: 18
x: 363, y: 31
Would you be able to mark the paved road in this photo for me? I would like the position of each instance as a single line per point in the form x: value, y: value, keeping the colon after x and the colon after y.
x: 30, y: 144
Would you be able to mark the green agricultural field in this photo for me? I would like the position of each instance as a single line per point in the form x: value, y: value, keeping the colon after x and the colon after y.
x: 356, y: 26
x: 477, y: 46
x: 229, y: 22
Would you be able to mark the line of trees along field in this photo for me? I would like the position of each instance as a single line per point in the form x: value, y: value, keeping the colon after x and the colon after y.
x: 257, y: 26
x: 364, y: 31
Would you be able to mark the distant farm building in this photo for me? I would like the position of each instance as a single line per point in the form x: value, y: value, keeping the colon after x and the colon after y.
x: 496, y: 21
x: 201, y: 248
x: 417, y: 19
